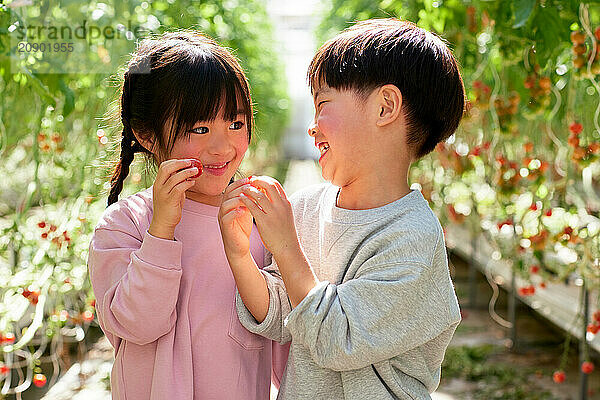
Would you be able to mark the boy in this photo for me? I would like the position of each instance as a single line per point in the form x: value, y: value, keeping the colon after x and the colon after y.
x: 359, y: 280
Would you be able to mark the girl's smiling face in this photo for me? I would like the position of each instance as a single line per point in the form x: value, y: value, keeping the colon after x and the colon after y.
x: 220, y: 145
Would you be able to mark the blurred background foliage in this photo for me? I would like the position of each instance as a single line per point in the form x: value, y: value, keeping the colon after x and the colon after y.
x: 60, y: 134
x: 62, y: 100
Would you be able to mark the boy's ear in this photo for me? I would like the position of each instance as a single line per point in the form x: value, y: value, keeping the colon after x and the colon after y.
x: 389, y: 102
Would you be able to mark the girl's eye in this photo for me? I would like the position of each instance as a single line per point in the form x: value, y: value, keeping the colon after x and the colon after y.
x: 237, y: 125
x: 321, y: 103
x: 201, y: 130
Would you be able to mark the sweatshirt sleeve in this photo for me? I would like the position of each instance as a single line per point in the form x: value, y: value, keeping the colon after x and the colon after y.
x: 279, y: 306
x: 136, y: 282
x: 388, y: 308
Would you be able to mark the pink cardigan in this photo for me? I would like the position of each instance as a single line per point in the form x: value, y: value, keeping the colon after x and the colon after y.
x: 168, y: 308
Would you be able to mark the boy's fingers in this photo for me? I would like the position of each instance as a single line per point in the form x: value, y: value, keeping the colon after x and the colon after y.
x: 235, y: 192
x: 255, y: 210
x: 259, y: 198
x: 270, y: 185
x: 235, y: 185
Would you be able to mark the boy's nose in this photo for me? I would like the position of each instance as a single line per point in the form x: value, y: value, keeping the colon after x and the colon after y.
x: 312, y: 129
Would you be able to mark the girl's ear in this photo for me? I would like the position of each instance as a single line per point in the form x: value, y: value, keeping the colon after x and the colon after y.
x: 389, y: 102
x: 145, y: 143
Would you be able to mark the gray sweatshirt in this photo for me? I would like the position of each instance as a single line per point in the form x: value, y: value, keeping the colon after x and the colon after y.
x: 378, y: 323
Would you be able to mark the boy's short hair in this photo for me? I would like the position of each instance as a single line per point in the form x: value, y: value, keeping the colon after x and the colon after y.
x: 377, y: 52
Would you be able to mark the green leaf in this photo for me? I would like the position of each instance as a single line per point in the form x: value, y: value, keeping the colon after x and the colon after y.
x: 523, y: 9
x: 39, y: 87
x: 69, y: 98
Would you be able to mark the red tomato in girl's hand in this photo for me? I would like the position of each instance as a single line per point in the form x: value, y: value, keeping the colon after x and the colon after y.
x: 197, y: 164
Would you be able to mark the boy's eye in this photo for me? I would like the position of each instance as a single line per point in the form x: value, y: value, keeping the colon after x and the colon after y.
x: 201, y: 130
x: 320, y: 103
x: 237, y: 125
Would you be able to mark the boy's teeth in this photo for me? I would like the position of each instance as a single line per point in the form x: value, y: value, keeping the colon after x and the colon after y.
x: 323, y: 148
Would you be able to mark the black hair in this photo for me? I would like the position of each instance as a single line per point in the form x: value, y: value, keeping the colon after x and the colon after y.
x: 377, y: 52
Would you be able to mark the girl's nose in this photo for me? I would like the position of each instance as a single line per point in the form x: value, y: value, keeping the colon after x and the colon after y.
x: 219, y: 144
x: 312, y: 129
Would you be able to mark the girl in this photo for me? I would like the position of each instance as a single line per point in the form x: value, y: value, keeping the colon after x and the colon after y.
x: 165, y: 296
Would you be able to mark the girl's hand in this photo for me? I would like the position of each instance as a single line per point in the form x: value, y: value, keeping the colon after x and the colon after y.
x: 168, y: 195
x: 235, y: 222
x: 272, y: 211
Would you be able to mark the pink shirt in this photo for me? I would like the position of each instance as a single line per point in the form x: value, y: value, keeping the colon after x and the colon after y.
x: 168, y: 308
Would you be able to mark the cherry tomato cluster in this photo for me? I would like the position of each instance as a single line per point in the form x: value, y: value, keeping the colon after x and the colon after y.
x: 450, y: 159
x: 507, y: 176
x: 587, y: 367
x: 50, y: 231
x: 581, y: 56
x: 32, y: 296
x: 46, y: 142
x: 582, y: 155
x: 482, y: 94
x: 506, y: 109
x: 539, y: 240
x: 527, y: 290
x: 568, y: 235
x: 539, y: 91
x: 594, y: 326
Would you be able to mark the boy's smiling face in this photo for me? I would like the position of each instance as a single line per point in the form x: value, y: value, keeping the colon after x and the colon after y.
x: 342, y: 131
x: 362, y: 141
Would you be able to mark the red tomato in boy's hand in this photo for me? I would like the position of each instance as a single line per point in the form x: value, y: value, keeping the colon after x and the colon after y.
x: 197, y: 164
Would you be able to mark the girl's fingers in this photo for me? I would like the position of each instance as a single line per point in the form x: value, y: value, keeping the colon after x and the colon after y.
x: 168, y: 167
x: 179, y: 177
x: 181, y: 187
x: 230, y: 204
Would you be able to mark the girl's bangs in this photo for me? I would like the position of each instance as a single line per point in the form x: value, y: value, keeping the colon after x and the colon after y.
x: 212, y: 88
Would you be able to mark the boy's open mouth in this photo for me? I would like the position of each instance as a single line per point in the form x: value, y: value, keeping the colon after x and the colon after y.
x: 323, y: 147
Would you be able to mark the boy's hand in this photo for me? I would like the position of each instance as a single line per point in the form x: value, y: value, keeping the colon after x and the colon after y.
x: 272, y: 211
x: 235, y: 222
